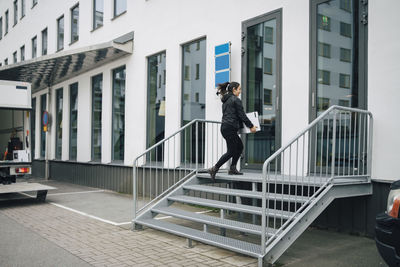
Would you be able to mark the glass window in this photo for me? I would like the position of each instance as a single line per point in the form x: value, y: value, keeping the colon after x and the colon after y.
x: 75, y: 24
x: 44, y: 42
x: 119, y: 7
x: 345, y: 29
x: 344, y: 103
x: 324, y: 77
x: 98, y: 13
x: 344, y: 80
x: 345, y: 5
x: 324, y: 50
x: 324, y: 22
x: 6, y: 18
x: 15, y: 12
x: 22, y: 8
x: 73, y: 121
x: 118, y: 121
x: 43, y: 105
x: 267, y: 97
x: 193, y: 98
x: 156, y: 103
x: 323, y: 103
x: 97, y: 100
x: 59, y: 114
x: 345, y: 54
x: 60, y: 33
x: 34, y: 47
x: 1, y: 28
x: 6, y: 61
x: 269, y: 35
x: 33, y: 127
x: 268, y: 66
x: 22, y: 53
x: 15, y: 57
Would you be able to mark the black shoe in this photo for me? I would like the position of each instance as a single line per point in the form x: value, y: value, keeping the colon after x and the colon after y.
x: 234, y: 171
x: 213, y: 171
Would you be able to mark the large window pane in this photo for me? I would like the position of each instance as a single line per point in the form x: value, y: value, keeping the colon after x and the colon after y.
x: 15, y: 12
x: 118, y: 122
x: 33, y: 127
x: 44, y: 42
x: 73, y: 121
x: 43, y: 103
x: 34, y: 47
x: 1, y: 28
x: 193, y: 97
x: 97, y: 99
x: 98, y: 12
x: 58, y: 122
x: 156, y: 102
x: 60, y: 33
x: 75, y: 24
x: 6, y: 18
x: 22, y: 8
x: 22, y: 53
x: 119, y: 7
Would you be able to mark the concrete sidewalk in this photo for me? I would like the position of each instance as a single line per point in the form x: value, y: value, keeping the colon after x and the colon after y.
x: 93, y: 227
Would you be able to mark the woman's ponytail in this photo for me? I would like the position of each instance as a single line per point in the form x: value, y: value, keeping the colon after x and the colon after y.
x: 226, y: 87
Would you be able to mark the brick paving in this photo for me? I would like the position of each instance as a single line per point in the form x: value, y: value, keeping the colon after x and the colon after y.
x: 102, y: 244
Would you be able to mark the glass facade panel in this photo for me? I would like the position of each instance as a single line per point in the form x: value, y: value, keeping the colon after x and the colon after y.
x: 34, y: 47
x: 60, y: 33
x: 97, y: 100
x: 44, y: 42
x: 261, y: 90
x: 33, y: 127
x: 58, y: 122
x: 22, y: 8
x: 119, y: 7
x: 193, y: 98
x: 43, y: 104
x: 118, y: 121
x: 15, y: 12
x: 22, y: 53
x: 73, y: 121
x: 6, y: 26
x: 98, y: 13
x: 75, y: 24
x: 335, y: 72
x: 156, y: 103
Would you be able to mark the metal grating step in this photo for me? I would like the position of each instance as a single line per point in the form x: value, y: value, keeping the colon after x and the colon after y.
x: 204, y: 237
x: 214, y: 221
x: 245, y: 193
x: 278, y: 178
x: 229, y: 206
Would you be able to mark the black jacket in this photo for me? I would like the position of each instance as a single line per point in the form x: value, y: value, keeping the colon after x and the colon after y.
x: 233, y: 113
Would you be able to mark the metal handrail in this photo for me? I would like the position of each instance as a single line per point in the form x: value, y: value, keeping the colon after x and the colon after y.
x: 307, y: 132
x: 178, y: 177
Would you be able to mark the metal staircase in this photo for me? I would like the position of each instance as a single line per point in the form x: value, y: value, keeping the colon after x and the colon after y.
x: 260, y: 214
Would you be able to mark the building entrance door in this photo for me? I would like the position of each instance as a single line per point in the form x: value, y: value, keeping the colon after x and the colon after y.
x: 261, y: 66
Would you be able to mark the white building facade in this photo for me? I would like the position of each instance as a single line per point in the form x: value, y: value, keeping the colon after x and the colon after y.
x: 294, y: 59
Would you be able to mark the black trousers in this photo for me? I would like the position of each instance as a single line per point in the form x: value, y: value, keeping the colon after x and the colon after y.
x: 233, y: 143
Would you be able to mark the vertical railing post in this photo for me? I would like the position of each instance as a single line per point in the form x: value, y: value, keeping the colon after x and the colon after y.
x: 263, y: 211
x: 370, y: 131
x: 333, y: 144
x: 197, y: 146
x: 134, y: 190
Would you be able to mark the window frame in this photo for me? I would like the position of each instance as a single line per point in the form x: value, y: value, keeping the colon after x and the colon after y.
x: 70, y: 121
x: 1, y: 28
x: 23, y: 9
x: 15, y: 5
x: 47, y: 43
x: 115, y: 15
x: 92, y: 79
x: 34, y: 41
x: 22, y: 53
x: 94, y: 16
x: 71, y: 12
x: 6, y: 25
x: 58, y: 33
x: 112, y: 115
x: 58, y: 92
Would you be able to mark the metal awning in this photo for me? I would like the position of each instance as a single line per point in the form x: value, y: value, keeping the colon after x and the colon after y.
x: 51, y: 69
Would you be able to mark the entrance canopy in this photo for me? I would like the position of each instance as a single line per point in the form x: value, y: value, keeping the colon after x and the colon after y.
x: 51, y: 69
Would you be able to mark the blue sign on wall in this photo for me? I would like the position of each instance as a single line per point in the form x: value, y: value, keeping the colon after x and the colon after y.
x: 222, y: 63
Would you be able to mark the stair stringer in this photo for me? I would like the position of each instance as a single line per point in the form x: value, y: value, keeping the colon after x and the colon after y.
x: 301, y: 222
x: 164, y: 202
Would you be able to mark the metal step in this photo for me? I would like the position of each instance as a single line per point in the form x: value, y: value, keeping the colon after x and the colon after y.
x: 278, y: 178
x: 204, y: 237
x: 228, y: 206
x: 245, y: 193
x: 214, y: 221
